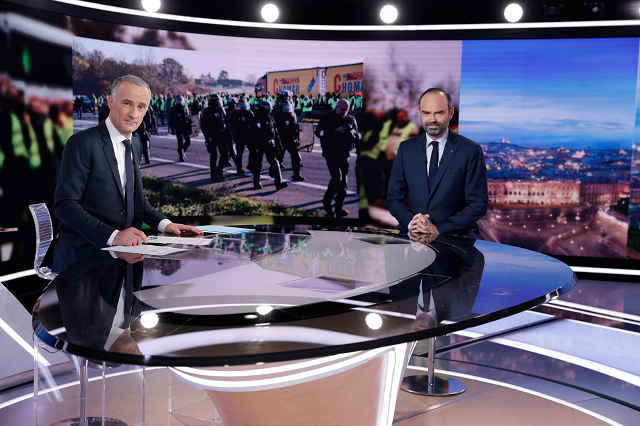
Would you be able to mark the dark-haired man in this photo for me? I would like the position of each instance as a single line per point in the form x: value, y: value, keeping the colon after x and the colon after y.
x: 443, y: 174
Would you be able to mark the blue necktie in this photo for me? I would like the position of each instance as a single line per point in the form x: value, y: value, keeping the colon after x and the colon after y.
x: 433, y: 165
x: 130, y: 182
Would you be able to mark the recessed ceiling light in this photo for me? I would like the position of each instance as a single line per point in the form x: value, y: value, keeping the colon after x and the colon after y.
x: 151, y: 5
x: 388, y: 14
x: 513, y: 12
x: 270, y: 12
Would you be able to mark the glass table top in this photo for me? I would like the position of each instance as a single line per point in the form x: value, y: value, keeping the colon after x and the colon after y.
x: 277, y: 296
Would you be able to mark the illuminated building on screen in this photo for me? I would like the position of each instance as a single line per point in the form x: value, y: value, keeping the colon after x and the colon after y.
x: 548, y: 193
x: 556, y: 192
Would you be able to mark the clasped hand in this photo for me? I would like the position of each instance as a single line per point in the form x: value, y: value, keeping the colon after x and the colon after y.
x: 422, y: 225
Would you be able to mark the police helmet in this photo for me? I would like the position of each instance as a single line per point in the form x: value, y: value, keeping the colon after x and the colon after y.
x: 265, y: 105
x: 285, y: 105
x: 244, y: 105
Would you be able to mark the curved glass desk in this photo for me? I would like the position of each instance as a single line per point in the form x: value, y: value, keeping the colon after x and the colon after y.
x: 280, y: 324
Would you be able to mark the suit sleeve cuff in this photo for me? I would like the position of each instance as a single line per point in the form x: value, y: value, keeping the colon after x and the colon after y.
x: 111, y: 238
x: 409, y: 228
x: 163, y: 224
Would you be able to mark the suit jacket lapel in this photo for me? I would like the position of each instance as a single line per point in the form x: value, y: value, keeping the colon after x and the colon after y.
x: 110, y: 156
x: 420, y: 159
x: 450, y: 150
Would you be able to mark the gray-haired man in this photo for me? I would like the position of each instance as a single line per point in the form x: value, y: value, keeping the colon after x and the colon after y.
x: 99, y: 196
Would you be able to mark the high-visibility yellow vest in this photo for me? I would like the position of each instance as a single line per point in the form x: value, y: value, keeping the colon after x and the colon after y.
x: 406, y: 134
x: 19, y: 147
x: 383, y: 141
x: 47, y: 128
x: 17, y: 139
x: 67, y: 128
x: 363, y: 202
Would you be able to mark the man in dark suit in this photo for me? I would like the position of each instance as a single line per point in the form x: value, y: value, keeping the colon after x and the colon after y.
x: 97, y: 302
x: 447, y: 288
x: 99, y: 196
x: 438, y: 182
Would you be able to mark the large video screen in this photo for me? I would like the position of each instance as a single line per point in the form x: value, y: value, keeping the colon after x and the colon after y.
x: 556, y: 119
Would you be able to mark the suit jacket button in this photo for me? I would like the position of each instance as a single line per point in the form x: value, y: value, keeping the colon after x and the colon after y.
x: 429, y: 211
x: 122, y: 212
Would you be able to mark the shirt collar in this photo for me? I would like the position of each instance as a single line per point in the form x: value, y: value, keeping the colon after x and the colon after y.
x: 442, y: 140
x: 115, y: 135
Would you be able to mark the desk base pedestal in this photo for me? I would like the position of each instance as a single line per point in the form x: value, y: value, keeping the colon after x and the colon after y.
x: 432, y: 385
x: 439, y: 386
x: 355, y: 389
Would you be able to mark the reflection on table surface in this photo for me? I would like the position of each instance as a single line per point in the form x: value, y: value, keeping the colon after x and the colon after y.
x: 265, y: 296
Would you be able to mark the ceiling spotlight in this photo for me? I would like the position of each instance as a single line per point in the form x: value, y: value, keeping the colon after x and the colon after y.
x: 151, y: 5
x: 513, y: 12
x: 594, y: 8
x: 552, y: 10
x: 388, y: 14
x: 270, y: 12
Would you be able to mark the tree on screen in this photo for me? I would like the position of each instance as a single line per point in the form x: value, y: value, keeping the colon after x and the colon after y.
x: 172, y: 73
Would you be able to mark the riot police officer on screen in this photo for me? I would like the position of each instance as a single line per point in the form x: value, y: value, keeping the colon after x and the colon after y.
x: 289, y: 132
x: 338, y: 133
x: 267, y: 142
x: 215, y: 127
x: 180, y: 124
x: 232, y: 104
x: 243, y: 127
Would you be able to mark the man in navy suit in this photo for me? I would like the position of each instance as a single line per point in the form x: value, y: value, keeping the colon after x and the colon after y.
x: 438, y: 182
x: 99, y: 196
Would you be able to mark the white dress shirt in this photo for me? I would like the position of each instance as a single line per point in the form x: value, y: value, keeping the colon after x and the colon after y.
x: 442, y: 142
x: 118, y: 147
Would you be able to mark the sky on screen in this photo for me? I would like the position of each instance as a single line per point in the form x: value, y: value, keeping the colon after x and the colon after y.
x: 576, y: 93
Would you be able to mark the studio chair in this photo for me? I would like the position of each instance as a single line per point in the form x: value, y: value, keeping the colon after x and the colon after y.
x: 44, y: 237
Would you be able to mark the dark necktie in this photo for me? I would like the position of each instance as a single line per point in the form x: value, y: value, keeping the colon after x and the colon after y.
x: 130, y: 182
x: 433, y: 165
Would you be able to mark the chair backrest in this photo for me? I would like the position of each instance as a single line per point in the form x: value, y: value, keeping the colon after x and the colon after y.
x: 44, y: 237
